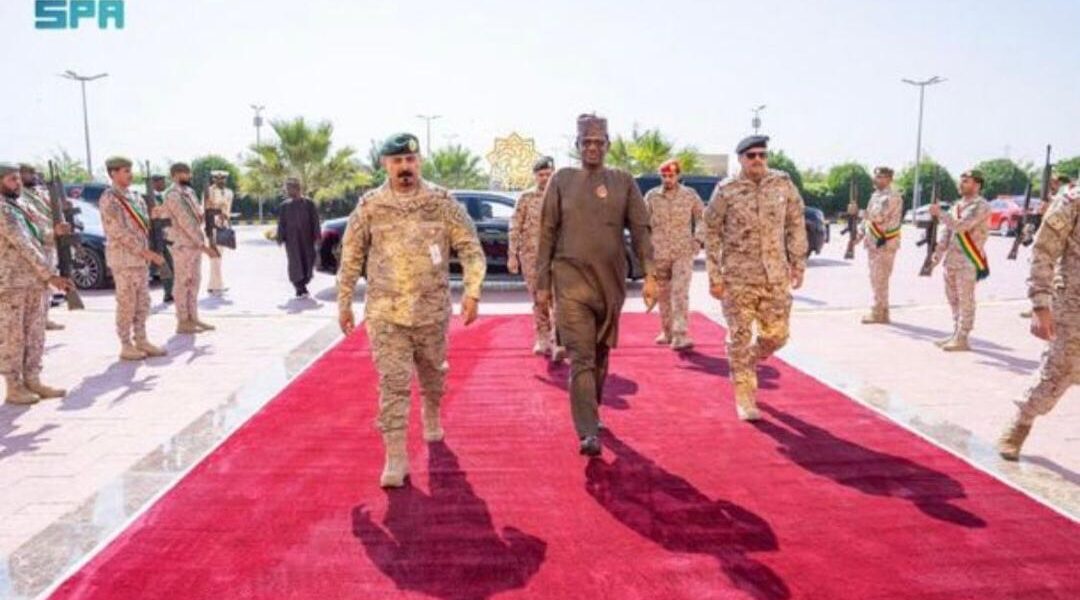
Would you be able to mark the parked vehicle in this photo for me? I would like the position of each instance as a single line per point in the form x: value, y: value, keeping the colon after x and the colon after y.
x: 817, y: 228
x: 921, y: 217
x: 490, y: 211
x: 89, y: 270
x: 1005, y: 216
x: 87, y: 192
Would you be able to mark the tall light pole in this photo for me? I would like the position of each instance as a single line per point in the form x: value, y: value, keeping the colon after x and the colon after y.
x: 258, y: 121
x: 918, y: 136
x: 72, y: 75
x: 428, y: 119
x: 756, y: 122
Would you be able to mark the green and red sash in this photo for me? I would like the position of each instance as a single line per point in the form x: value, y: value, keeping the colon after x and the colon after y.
x: 133, y: 212
x: 977, y: 258
x: 28, y: 223
x: 881, y: 236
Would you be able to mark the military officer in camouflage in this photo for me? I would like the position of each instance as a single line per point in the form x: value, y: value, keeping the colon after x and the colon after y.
x: 882, y: 239
x: 25, y: 273
x: 675, y: 215
x: 126, y: 222
x: 399, y: 238
x: 1054, y: 289
x: 961, y: 245
x: 188, y: 246
x: 35, y: 198
x: 756, y: 248
x: 524, y: 247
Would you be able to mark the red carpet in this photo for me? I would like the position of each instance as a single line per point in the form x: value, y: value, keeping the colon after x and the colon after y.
x: 822, y: 500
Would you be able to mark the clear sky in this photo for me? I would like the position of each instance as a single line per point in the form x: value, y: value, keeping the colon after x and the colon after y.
x: 182, y: 75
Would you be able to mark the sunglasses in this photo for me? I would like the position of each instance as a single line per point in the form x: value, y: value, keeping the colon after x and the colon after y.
x: 756, y: 155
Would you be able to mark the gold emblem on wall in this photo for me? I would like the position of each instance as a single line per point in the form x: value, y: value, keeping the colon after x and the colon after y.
x: 511, y: 162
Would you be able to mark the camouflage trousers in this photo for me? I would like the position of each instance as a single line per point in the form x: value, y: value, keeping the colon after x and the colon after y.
x: 187, y: 267
x: 543, y: 316
x: 51, y: 256
x: 881, y: 267
x: 1060, y: 367
x: 132, y: 303
x: 769, y: 308
x: 397, y: 350
x: 960, y: 291
x: 22, y: 319
x: 673, y: 279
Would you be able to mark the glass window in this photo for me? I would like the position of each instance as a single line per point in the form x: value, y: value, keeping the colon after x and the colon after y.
x: 493, y: 209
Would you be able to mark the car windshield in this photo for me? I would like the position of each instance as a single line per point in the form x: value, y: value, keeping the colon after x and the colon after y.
x: 89, y: 217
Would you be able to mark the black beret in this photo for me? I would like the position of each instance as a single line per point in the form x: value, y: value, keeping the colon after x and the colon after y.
x: 886, y: 171
x: 975, y: 174
x: 400, y: 143
x: 754, y: 141
x: 157, y: 178
x: 544, y: 162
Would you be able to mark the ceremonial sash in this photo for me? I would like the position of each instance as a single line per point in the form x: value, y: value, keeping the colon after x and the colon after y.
x: 882, y: 235
x: 27, y: 222
x: 135, y: 214
x: 977, y: 258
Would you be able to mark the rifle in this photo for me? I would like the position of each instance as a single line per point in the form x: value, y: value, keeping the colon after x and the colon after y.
x: 158, y: 245
x: 1044, y: 198
x: 852, y: 228
x: 1021, y: 227
x: 931, y: 231
x: 64, y: 243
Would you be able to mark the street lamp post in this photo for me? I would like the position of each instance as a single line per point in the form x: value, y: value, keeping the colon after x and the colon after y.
x: 72, y: 75
x: 258, y: 121
x: 428, y: 119
x: 756, y: 122
x: 918, y: 136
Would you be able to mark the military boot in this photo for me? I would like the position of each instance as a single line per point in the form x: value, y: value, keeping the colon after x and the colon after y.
x: 433, y: 431
x: 203, y: 325
x: 746, y: 407
x: 186, y: 327
x: 397, y: 460
x: 945, y: 341
x: 540, y: 348
x: 150, y: 349
x: 682, y: 342
x: 1012, y: 439
x: 17, y: 392
x: 558, y: 354
x: 876, y: 317
x: 663, y: 339
x: 957, y: 344
x: 131, y: 352
x: 33, y: 383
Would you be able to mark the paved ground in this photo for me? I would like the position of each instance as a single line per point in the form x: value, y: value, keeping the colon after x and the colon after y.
x: 72, y: 472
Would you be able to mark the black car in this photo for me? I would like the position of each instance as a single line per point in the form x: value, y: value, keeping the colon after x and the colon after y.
x: 87, y: 192
x: 817, y: 229
x: 490, y: 211
x: 89, y: 270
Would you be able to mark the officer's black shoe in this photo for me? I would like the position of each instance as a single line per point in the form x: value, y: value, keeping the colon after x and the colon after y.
x: 167, y: 300
x: 590, y: 446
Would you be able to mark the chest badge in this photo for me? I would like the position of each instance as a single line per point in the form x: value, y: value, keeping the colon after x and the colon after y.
x: 601, y: 191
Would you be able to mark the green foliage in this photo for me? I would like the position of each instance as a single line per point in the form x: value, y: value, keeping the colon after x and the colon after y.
x: 71, y: 169
x: 646, y: 150
x: 839, y: 182
x: 200, y: 172
x: 1003, y: 177
x: 1068, y: 166
x: 454, y: 167
x: 782, y: 162
x: 303, y: 151
x: 905, y: 183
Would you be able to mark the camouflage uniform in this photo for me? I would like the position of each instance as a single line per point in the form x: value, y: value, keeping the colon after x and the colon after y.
x: 675, y: 218
x: 884, y: 211
x: 971, y: 217
x: 36, y: 199
x: 1055, y: 283
x: 126, y: 239
x: 525, y: 245
x: 755, y: 243
x: 187, y: 239
x: 24, y: 276
x: 402, y: 245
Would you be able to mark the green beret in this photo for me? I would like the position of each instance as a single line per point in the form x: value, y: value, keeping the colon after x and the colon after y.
x: 7, y: 168
x: 400, y: 143
x: 754, y: 141
x: 117, y: 162
x: 975, y: 174
x: 884, y: 171
x: 179, y: 168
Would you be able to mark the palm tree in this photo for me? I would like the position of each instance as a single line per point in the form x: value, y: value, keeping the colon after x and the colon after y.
x: 646, y: 150
x: 454, y: 167
x: 303, y: 151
